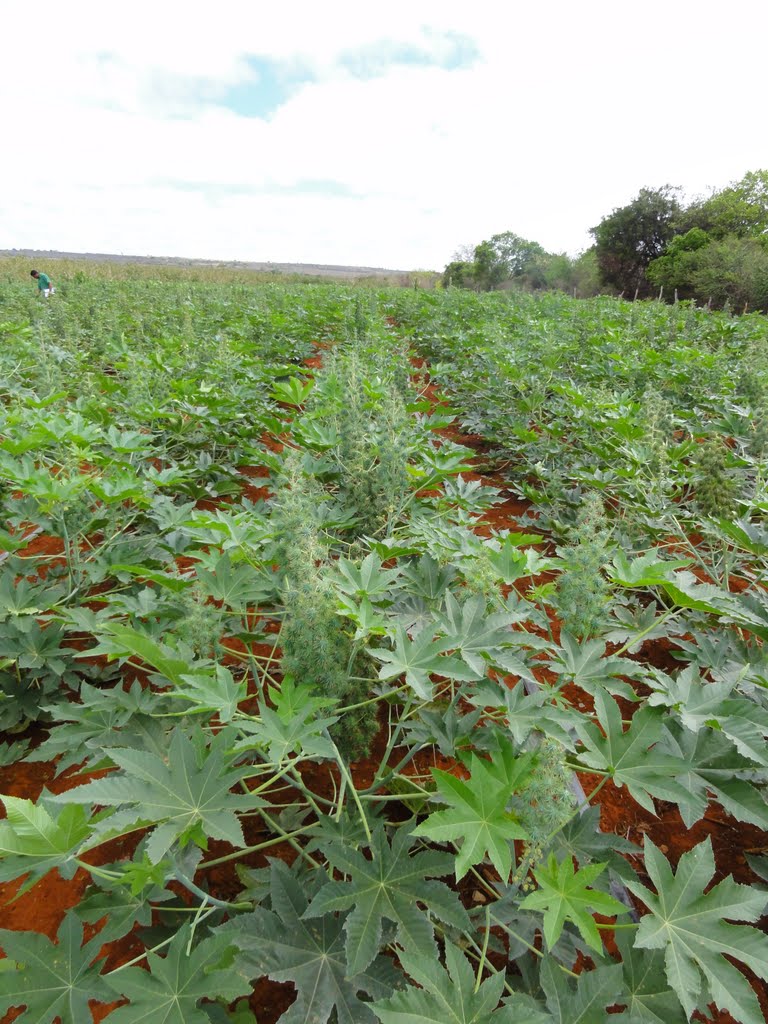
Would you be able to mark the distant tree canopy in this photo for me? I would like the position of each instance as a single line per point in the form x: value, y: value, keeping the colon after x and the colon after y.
x: 508, y: 260
x: 632, y: 236
x: 712, y: 250
x: 720, y: 253
x: 505, y: 257
x: 741, y: 209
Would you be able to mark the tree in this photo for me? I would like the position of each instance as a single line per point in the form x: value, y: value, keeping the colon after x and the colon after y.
x: 729, y: 270
x: 734, y: 271
x: 459, y: 274
x: 674, y: 269
x: 585, y: 279
x: 741, y: 209
x: 505, y: 257
x: 629, y: 238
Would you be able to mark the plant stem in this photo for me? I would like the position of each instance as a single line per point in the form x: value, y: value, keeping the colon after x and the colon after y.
x: 484, y: 950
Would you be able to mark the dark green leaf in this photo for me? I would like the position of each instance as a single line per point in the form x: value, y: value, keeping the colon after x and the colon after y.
x: 52, y: 979
x: 170, y: 992
x: 388, y: 886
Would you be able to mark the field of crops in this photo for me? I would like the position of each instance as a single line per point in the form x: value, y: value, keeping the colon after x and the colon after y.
x: 380, y: 656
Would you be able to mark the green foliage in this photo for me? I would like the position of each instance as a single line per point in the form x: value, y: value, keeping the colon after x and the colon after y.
x: 564, y: 894
x: 185, y: 795
x: 447, y: 994
x: 389, y: 887
x: 631, y: 758
x: 285, y: 946
x: 417, y: 660
x: 716, y: 486
x: 631, y: 236
x: 689, y: 925
x: 33, y: 842
x: 740, y: 209
x: 371, y: 452
x: 583, y: 1001
x: 171, y: 991
x: 732, y: 273
x: 54, y: 981
x: 582, y: 589
x: 478, y: 815
x: 504, y: 257
x: 459, y: 274
x: 647, y: 993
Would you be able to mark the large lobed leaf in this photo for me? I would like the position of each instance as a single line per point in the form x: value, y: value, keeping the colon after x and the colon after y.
x: 692, y: 928
x: 187, y: 796
x: 632, y: 758
x: 389, y: 887
x: 33, y: 841
x: 170, y: 992
x: 564, y: 894
x: 52, y: 980
x: 478, y: 815
x: 283, y: 945
x: 448, y: 996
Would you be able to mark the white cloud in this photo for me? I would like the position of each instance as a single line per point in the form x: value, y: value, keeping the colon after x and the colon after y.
x: 117, y: 137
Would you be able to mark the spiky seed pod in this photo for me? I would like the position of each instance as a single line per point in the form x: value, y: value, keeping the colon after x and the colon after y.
x: 716, y: 486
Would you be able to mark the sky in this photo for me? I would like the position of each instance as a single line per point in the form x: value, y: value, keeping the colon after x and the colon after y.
x: 364, y: 134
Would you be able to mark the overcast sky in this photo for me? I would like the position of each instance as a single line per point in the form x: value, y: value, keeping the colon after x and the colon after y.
x: 371, y: 134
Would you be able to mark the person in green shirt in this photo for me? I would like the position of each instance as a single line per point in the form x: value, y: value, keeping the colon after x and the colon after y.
x: 43, y: 283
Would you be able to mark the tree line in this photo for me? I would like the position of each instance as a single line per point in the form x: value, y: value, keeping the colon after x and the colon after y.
x: 712, y: 250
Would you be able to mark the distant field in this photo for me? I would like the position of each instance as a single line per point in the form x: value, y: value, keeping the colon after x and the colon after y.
x: 312, y: 270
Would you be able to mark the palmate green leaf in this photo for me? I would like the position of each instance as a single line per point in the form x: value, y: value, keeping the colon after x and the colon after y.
x: 121, y: 641
x: 478, y: 815
x: 636, y: 623
x: 686, y: 591
x: 695, y: 700
x: 564, y: 895
x: 701, y: 703
x: 427, y: 578
x: 212, y: 690
x: 585, y: 1000
x: 302, y: 735
x: 36, y: 839
x: 447, y: 995
x: 750, y: 613
x: 509, y: 561
x: 646, y: 990
x: 294, y: 728
x: 187, y: 795
x: 370, y: 621
x: 293, y: 391
x: 449, y: 730
x: 52, y: 980
x: 631, y: 758
x: 692, y: 928
x: 587, y: 665
x: 365, y: 580
x: 24, y: 598
x: 472, y: 633
x: 170, y: 992
x: 389, y: 887
x: 714, y: 766
x: 747, y: 535
x: 647, y: 570
x: 526, y: 712
x: 121, y: 907
x: 239, y: 587
x: 418, y: 659
x: 284, y: 946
